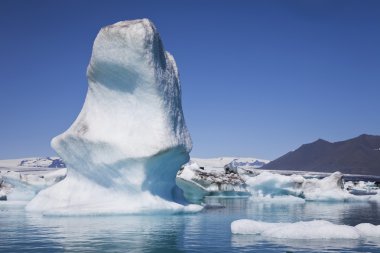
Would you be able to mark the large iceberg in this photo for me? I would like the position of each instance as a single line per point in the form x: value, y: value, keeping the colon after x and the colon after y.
x: 130, y: 139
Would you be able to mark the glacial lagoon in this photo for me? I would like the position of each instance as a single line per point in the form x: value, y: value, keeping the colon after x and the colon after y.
x: 123, y: 152
x: 206, y: 231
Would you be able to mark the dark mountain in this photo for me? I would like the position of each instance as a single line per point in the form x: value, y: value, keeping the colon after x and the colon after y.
x: 360, y: 155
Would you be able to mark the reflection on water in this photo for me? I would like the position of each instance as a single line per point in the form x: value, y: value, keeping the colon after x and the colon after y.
x: 207, y: 231
x: 114, y: 234
x: 287, y: 245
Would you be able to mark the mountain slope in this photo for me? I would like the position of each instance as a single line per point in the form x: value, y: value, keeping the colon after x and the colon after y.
x: 360, y: 155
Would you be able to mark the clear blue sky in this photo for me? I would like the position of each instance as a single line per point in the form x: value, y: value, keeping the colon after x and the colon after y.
x: 259, y: 78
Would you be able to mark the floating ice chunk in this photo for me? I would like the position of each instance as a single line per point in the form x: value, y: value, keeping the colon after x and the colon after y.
x: 130, y: 139
x: 311, y: 189
x: 362, y: 188
x: 267, y: 183
x: 317, y: 229
x: 368, y: 230
x: 251, y: 227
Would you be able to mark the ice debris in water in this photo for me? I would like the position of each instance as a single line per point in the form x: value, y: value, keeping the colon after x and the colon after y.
x: 264, y: 186
x: 130, y: 138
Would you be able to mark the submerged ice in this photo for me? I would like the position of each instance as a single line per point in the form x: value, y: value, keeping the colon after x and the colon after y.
x: 130, y: 138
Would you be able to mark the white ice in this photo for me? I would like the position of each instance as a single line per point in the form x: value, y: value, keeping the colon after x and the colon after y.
x: 130, y: 139
x: 331, y: 188
x: 316, y: 229
x: 328, y: 188
x: 368, y: 230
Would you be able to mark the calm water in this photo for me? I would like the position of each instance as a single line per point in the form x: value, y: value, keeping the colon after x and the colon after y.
x: 208, y: 231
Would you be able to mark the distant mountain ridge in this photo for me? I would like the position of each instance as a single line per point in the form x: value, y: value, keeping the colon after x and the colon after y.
x: 33, y: 163
x: 47, y: 162
x: 360, y: 155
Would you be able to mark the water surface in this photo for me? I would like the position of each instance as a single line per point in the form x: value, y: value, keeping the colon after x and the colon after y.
x: 207, y: 231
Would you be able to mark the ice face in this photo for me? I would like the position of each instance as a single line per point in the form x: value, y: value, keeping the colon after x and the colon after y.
x: 129, y: 140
